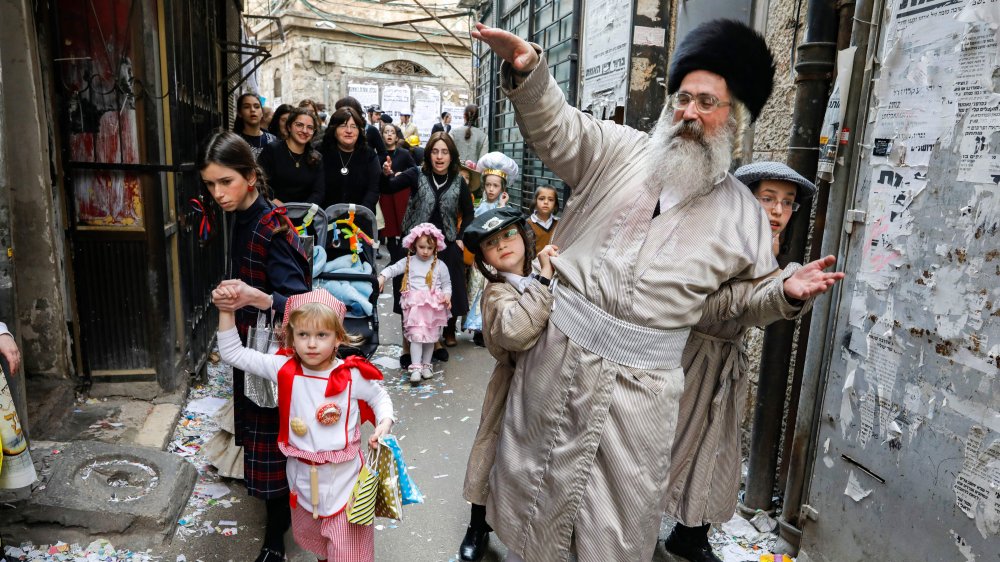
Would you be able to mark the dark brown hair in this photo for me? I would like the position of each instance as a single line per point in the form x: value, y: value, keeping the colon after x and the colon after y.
x: 238, y: 123
x: 339, y: 117
x: 527, y: 236
x: 351, y: 102
x: 471, y: 119
x: 538, y: 190
x: 229, y: 150
x: 427, y: 167
x: 312, y: 157
x: 275, y: 127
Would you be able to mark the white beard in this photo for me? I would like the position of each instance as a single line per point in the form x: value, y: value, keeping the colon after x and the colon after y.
x: 684, y: 160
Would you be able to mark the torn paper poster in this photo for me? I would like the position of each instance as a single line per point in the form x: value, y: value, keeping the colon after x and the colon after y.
x: 963, y: 547
x: 881, y: 368
x: 977, y: 486
x: 888, y: 224
x: 854, y: 489
x: 835, y: 133
x: 848, y: 398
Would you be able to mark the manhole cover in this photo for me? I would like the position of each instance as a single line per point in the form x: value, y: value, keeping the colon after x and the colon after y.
x: 116, y: 479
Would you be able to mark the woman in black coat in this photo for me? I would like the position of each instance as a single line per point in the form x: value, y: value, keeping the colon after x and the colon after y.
x: 294, y: 169
x: 352, y: 168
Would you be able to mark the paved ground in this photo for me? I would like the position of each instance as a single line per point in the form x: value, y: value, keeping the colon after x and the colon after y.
x: 437, y: 422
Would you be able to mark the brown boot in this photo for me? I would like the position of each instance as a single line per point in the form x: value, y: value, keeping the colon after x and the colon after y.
x: 449, y: 334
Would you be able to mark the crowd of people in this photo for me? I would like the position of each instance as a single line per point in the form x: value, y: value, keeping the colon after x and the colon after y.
x: 615, y: 317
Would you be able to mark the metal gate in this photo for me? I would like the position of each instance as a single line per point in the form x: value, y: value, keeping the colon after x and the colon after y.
x: 106, y: 78
x: 193, y: 29
x: 138, y: 86
x: 552, y: 24
x: 908, y: 452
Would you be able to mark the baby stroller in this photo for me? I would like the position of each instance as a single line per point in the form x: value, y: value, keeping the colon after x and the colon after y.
x: 311, y: 223
x: 351, y: 274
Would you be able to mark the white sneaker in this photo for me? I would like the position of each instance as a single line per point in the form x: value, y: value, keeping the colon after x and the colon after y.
x: 415, y: 373
x: 426, y: 372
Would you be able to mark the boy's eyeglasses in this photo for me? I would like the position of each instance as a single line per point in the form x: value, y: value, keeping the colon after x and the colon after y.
x: 770, y: 202
x: 494, y: 241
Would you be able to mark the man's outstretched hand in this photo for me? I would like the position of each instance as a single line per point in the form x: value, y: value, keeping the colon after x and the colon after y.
x: 511, y: 48
x: 811, y: 280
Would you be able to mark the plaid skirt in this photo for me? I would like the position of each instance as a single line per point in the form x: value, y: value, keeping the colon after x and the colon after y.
x: 257, y: 432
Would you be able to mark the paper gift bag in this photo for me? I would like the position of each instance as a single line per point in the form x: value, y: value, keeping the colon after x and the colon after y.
x: 361, y: 505
x: 389, y: 501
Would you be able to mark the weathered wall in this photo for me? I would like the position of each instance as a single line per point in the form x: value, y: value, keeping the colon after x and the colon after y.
x: 784, y: 31
x: 39, y: 260
x: 911, y: 419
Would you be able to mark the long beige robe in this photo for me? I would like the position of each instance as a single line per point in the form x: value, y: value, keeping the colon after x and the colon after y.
x: 512, y: 323
x: 584, y: 452
x: 705, y: 465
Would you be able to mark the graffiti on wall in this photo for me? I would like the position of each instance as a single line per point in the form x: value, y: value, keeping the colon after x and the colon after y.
x: 96, y: 71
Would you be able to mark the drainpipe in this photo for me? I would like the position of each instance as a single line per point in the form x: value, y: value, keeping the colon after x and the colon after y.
x: 814, y: 70
x: 816, y: 361
x: 822, y: 217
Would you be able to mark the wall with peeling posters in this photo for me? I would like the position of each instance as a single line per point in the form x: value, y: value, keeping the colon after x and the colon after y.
x: 908, y: 456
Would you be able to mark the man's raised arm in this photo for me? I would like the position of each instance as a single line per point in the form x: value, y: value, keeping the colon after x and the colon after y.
x: 571, y: 143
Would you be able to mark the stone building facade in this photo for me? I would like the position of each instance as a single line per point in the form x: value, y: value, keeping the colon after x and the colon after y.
x: 326, y: 50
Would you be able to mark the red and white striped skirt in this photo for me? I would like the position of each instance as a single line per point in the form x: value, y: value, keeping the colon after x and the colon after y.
x: 333, y: 538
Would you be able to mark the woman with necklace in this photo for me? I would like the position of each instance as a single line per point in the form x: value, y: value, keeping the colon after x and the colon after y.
x: 439, y: 195
x: 247, y: 124
x: 352, y: 168
x: 294, y: 169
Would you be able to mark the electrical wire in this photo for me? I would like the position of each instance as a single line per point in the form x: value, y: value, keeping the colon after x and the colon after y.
x: 340, y: 25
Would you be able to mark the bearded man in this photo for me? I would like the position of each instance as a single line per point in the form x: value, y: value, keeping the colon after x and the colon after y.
x: 654, y: 225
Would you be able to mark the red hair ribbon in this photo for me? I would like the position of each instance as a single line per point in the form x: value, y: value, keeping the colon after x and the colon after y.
x: 277, y: 211
x: 205, y: 224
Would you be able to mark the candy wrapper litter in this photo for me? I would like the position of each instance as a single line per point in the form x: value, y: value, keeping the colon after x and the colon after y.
x: 411, y: 494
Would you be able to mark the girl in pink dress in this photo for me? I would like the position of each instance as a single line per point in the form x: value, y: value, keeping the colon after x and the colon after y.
x: 425, y: 295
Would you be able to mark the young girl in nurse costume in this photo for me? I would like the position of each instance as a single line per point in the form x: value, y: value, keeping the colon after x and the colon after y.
x: 425, y: 295
x: 322, y: 401
x: 516, y: 306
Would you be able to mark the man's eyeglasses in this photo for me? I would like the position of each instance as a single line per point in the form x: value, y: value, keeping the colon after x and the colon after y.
x: 494, y: 241
x: 704, y: 103
x: 770, y: 202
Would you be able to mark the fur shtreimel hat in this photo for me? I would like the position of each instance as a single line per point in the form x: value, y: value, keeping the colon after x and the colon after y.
x: 732, y: 50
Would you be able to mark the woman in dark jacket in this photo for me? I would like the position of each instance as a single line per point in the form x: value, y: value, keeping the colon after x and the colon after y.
x: 352, y: 169
x: 294, y: 169
x: 439, y: 195
x: 267, y: 265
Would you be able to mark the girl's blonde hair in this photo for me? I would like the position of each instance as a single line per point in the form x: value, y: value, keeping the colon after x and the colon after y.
x: 430, y: 272
x: 318, y: 314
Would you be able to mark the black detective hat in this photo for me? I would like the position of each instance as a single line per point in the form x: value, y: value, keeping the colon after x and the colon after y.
x: 732, y: 50
x: 488, y: 224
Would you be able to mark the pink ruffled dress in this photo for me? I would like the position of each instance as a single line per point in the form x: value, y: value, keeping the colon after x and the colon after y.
x: 425, y: 312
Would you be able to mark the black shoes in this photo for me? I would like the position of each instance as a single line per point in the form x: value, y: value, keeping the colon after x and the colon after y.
x: 695, y: 551
x: 474, y: 544
x: 268, y: 555
x: 405, y: 361
x: 477, y: 338
x: 440, y: 355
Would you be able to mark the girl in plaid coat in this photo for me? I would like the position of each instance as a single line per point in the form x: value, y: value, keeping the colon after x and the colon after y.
x: 267, y: 265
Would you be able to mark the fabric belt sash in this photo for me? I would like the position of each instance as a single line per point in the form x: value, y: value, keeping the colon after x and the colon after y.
x: 614, y: 339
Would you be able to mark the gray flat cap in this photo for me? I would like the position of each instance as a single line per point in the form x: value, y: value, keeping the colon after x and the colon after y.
x: 752, y: 174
